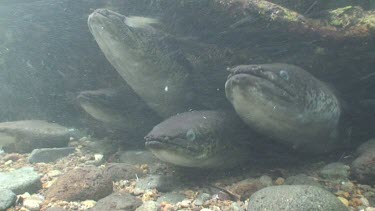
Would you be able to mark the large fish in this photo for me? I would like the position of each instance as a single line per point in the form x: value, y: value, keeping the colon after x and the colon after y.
x: 289, y: 105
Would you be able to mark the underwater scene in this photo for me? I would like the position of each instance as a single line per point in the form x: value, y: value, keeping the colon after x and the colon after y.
x: 187, y: 105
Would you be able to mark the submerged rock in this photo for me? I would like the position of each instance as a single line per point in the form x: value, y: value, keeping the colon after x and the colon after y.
x: 335, y: 171
x: 47, y: 155
x: 117, y: 202
x: 32, y: 134
x: 363, y: 167
x: 7, y: 198
x: 21, y: 180
x: 295, y: 198
x: 80, y: 184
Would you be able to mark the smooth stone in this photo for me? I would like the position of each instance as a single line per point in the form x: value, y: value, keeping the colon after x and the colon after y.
x: 21, y: 180
x: 55, y: 209
x: 301, y: 179
x: 161, y: 183
x: 34, y: 134
x: 171, y: 198
x: 295, y: 198
x: 335, y: 171
x: 117, y: 202
x: 7, y: 199
x: 47, y: 155
x: 148, y: 206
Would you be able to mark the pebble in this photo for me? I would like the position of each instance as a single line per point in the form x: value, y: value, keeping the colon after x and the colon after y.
x: 344, y: 201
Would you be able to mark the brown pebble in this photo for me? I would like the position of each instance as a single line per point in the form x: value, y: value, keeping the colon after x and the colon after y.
x: 280, y: 181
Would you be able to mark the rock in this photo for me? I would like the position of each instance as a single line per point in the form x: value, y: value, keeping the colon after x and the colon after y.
x: 148, y: 206
x: 138, y: 157
x: 199, y: 201
x: 247, y: 187
x: 32, y: 203
x: 235, y: 207
x: 21, y: 180
x: 56, y: 209
x: 7, y: 198
x: 117, y: 202
x: 171, y: 198
x: 34, y: 134
x: 161, y: 183
x: 47, y: 155
x: 295, y: 198
x: 122, y: 171
x: 367, y: 146
x: 335, y: 172
x: 301, y: 179
x: 363, y: 167
x: 80, y: 184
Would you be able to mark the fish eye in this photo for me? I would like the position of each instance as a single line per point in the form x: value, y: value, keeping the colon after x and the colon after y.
x: 284, y: 74
x: 190, y: 135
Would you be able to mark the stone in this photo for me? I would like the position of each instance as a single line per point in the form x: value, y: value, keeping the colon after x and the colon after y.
x: 138, y: 157
x: 47, y: 155
x: 21, y: 180
x: 117, y: 202
x: 295, y: 198
x: 247, y: 187
x: 161, y: 183
x: 7, y: 199
x: 80, y: 184
x: 199, y: 201
x: 171, y: 198
x: 367, y: 146
x: 363, y: 167
x: 34, y: 134
x: 335, y: 171
x: 301, y: 179
x: 122, y: 171
x: 148, y: 206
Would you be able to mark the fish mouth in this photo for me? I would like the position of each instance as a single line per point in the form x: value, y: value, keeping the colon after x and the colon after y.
x: 176, y: 154
x: 175, y: 144
x: 268, y: 81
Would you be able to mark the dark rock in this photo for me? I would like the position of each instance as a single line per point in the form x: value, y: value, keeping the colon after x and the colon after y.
x: 161, y: 183
x: 80, y: 184
x: 117, y: 202
x: 363, y: 167
x: 7, y: 198
x: 122, y: 171
x: 367, y: 146
x: 335, y: 171
x: 301, y: 179
x: 247, y: 187
x: 21, y: 180
x: 47, y: 155
x: 295, y: 198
